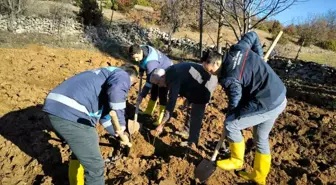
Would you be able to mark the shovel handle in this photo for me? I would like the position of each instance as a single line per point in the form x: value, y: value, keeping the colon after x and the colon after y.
x: 219, y: 144
x: 137, y: 104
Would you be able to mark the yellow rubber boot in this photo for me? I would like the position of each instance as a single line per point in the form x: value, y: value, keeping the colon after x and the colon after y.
x: 161, y: 114
x: 261, y: 168
x: 150, y: 107
x: 236, y: 160
x: 76, y: 173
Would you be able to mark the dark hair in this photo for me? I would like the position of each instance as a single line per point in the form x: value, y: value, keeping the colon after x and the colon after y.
x: 130, y: 69
x: 134, y: 49
x: 210, y: 57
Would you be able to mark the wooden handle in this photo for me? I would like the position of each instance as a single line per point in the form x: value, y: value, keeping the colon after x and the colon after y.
x: 272, y: 46
x: 219, y: 144
x: 118, y: 130
x: 138, y: 103
x: 115, y: 121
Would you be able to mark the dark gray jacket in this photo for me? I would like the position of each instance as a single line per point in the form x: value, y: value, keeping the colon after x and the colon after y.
x: 250, y: 83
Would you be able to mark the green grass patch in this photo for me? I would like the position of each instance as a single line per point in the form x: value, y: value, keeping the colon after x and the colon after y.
x: 321, y: 58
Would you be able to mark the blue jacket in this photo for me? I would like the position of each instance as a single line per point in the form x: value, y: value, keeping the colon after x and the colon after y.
x: 191, y: 81
x: 153, y: 59
x: 89, y: 96
x: 250, y: 83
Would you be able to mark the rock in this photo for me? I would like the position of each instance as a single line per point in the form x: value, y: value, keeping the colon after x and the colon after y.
x: 20, y: 30
x: 325, y: 119
x: 314, y: 115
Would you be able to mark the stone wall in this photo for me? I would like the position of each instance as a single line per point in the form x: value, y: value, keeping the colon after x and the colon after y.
x: 307, y: 71
x: 41, y: 25
x: 123, y: 33
x: 127, y: 34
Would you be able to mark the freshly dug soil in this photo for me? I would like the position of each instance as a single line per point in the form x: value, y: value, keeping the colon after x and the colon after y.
x: 303, y: 139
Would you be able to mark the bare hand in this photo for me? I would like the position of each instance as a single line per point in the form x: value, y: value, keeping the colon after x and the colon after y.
x: 159, y: 129
x: 124, y: 139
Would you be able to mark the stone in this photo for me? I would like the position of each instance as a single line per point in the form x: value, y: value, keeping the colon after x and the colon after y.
x: 289, y: 63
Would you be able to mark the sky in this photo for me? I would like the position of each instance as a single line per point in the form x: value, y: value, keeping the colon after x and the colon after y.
x: 303, y: 9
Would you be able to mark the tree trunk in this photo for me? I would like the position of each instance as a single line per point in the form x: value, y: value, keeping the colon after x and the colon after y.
x: 201, y: 27
x: 111, y: 17
x: 297, y: 55
x: 10, y: 24
x: 169, y: 41
x: 219, y: 35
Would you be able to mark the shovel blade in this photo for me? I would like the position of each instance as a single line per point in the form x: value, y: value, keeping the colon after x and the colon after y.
x: 204, y: 170
x: 133, y: 126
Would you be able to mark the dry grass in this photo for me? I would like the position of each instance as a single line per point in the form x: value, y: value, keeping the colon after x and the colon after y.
x: 312, y: 53
x: 47, y: 8
x: 13, y: 40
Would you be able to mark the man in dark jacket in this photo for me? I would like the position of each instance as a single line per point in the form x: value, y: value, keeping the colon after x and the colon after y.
x: 149, y: 59
x: 191, y: 81
x: 256, y: 98
x: 76, y: 105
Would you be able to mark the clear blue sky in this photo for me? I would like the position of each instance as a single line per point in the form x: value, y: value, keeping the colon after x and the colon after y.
x: 303, y: 9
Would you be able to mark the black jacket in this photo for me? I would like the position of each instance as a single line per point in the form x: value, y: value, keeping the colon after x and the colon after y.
x: 191, y: 81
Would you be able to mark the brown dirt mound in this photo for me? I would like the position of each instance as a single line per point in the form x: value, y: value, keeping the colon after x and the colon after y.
x: 303, y: 139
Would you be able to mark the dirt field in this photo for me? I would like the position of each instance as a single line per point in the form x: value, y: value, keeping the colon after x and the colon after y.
x: 303, y: 140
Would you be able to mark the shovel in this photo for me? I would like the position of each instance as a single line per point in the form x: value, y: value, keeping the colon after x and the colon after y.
x: 207, y: 167
x: 133, y: 125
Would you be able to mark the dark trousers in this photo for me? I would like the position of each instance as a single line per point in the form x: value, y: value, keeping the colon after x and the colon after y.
x: 194, y: 123
x: 160, y: 92
x: 84, y: 143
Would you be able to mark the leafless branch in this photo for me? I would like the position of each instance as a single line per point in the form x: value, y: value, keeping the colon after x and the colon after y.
x: 242, y: 15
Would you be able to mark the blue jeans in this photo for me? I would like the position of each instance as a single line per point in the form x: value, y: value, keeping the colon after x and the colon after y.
x: 261, y: 123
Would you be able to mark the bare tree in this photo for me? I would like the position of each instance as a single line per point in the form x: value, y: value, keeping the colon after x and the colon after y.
x: 331, y: 21
x: 13, y: 8
x: 244, y: 15
x: 313, y: 29
x: 175, y: 14
x: 59, y: 14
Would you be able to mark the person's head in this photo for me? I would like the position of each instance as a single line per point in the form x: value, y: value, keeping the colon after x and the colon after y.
x: 212, y: 62
x: 158, y: 77
x: 135, y: 52
x: 131, y: 71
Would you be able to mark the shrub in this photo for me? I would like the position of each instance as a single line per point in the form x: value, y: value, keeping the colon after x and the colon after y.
x: 78, y: 3
x: 90, y: 12
x: 307, y: 40
x: 290, y: 30
x: 276, y: 27
x: 328, y: 44
x: 108, y: 4
x: 283, y: 40
x: 158, y: 44
x: 142, y: 2
x: 263, y: 27
x: 124, y: 5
